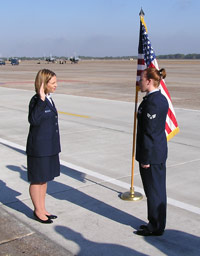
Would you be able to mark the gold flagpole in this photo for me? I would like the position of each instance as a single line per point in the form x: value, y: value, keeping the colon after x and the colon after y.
x: 132, y: 195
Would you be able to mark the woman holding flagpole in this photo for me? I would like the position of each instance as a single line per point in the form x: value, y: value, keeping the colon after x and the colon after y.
x: 151, y: 150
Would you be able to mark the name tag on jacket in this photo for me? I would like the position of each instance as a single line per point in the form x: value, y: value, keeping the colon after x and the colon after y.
x: 47, y: 111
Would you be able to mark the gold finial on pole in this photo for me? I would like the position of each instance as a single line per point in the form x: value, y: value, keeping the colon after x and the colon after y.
x: 141, y: 12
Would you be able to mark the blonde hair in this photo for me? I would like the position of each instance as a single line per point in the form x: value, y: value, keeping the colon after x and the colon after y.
x: 155, y: 75
x: 43, y: 76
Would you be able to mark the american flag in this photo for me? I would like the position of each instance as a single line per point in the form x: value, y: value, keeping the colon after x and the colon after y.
x: 147, y: 58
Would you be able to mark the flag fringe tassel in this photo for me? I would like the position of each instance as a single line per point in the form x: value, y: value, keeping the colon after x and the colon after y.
x: 173, y: 133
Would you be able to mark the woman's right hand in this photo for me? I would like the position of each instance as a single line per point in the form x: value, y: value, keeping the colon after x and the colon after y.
x: 42, y: 94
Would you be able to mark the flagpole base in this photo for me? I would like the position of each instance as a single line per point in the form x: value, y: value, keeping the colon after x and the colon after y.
x: 131, y: 195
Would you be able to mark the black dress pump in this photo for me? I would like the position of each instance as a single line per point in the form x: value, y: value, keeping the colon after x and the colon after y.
x: 48, y: 221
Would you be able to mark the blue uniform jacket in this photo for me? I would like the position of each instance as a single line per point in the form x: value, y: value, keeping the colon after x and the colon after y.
x: 43, y: 138
x: 151, y: 143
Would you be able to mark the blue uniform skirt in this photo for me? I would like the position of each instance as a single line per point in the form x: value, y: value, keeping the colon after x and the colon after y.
x: 43, y: 169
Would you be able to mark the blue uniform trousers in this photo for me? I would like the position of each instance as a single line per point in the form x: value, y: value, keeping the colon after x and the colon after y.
x: 154, y: 182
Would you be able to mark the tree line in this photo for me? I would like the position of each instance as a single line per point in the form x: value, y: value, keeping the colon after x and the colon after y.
x: 180, y: 56
x: 167, y: 56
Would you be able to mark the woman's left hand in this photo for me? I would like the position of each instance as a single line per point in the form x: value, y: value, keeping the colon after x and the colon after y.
x: 145, y: 166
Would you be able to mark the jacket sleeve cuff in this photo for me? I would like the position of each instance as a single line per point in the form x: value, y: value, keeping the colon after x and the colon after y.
x: 42, y: 103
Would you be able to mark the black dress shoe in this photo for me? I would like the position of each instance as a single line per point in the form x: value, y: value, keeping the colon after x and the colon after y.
x: 143, y: 227
x: 48, y: 221
x: 52, y: 217
x: 146, y: 232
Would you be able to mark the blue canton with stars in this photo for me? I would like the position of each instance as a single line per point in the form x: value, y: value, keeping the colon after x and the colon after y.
x: 148, y: 51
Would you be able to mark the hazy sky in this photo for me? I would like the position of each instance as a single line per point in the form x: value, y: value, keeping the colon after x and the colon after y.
x: 96, y: 27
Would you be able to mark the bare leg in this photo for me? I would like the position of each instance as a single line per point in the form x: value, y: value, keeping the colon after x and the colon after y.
x: 43, y: 195
x: 37, y: 197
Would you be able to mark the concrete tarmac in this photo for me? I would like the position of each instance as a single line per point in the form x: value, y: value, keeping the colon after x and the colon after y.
x: 96, y: 140
x: 95, y: 104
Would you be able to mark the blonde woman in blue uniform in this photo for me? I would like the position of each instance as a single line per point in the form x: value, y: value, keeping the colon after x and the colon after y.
x: 43, y: 143
x: 151, y: 150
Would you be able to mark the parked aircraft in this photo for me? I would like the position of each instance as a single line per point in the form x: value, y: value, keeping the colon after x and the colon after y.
x: 2, y: 62
x: 50, y: 59
x: 74, y: 59
x: 14, y: 61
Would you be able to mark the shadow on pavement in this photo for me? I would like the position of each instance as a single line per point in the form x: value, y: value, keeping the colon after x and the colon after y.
x: 88, y: 247
x: 58, y: 190
x: 92, y: 204
x: 175, y: 242
x: 9, y: 198
x: 62, y: 191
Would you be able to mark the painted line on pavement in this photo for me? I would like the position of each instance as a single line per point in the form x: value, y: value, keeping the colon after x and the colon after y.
x: 170, y: 201
x: 191, y: 161
x: 188, y: 109
x: 71, y: 114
